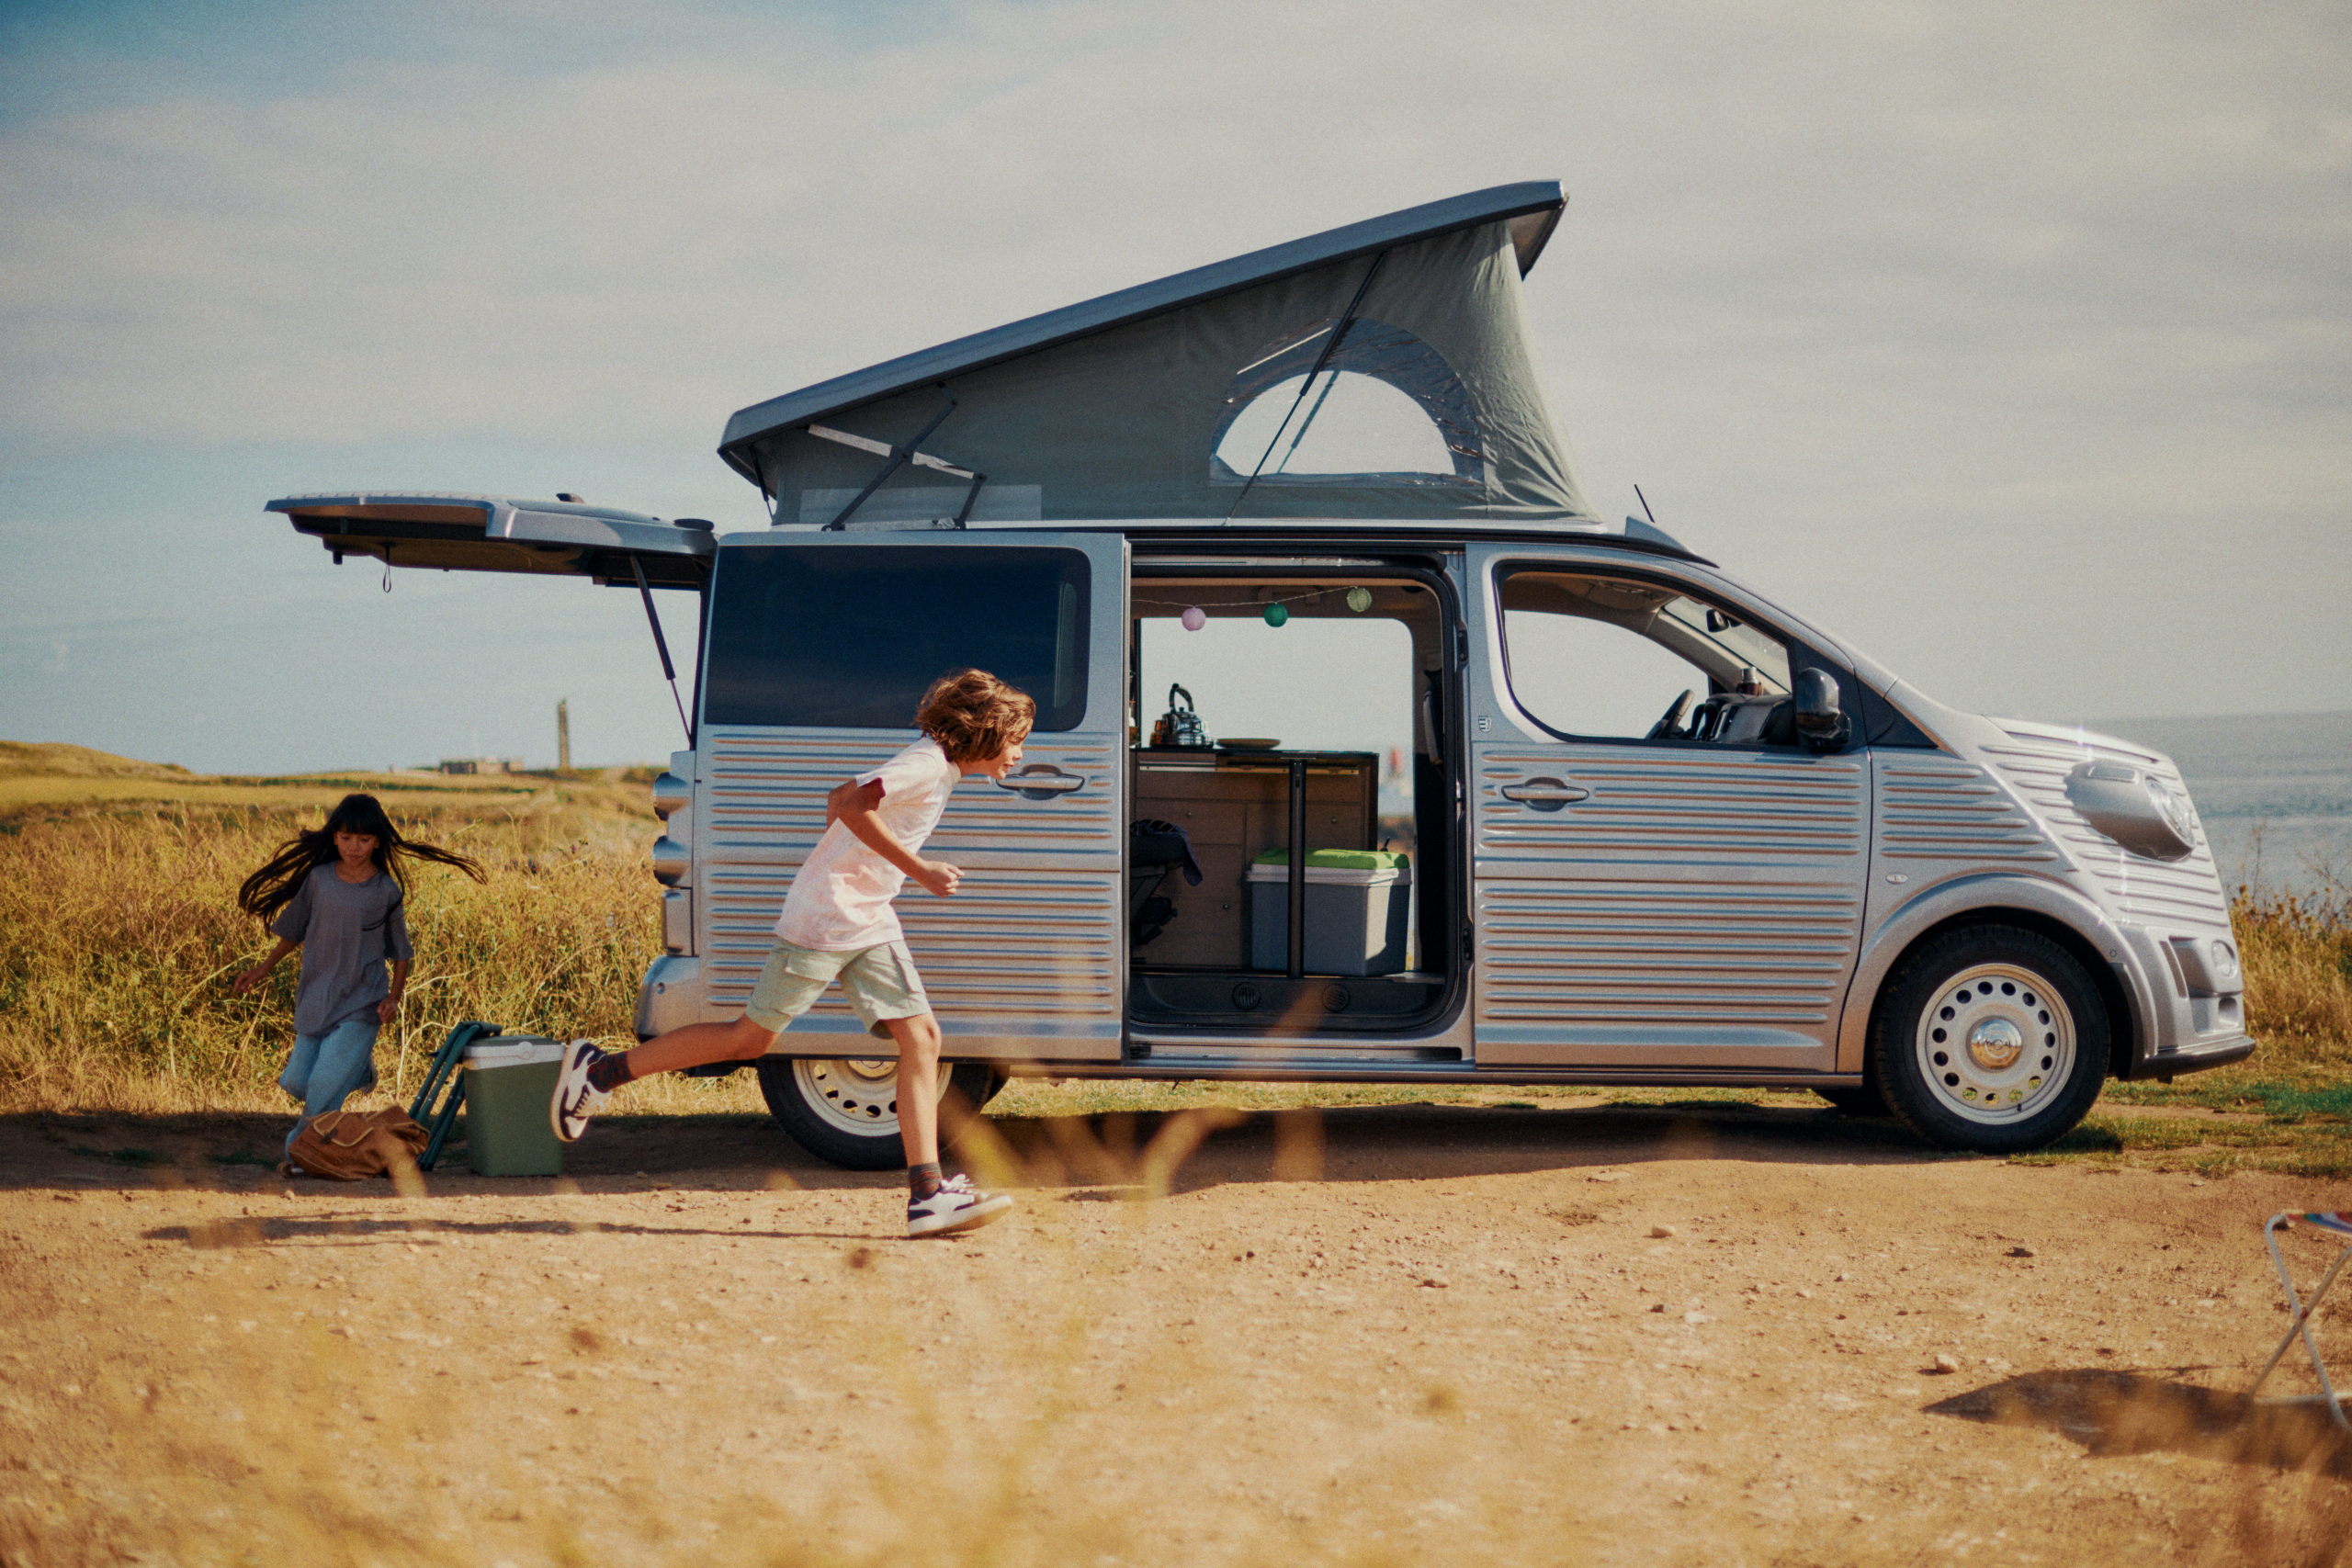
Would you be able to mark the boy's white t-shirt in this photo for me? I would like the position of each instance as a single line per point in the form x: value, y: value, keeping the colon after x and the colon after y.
x: 839, y: 901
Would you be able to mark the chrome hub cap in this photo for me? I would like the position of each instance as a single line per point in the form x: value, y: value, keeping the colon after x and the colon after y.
x: 1996, y: 1045
x: 857, y: 1095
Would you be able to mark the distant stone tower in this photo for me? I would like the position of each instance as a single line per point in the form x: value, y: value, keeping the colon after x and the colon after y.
x: 563, y: 735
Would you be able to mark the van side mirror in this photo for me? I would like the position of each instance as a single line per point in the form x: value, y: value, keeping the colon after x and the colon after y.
x: 1819, y: 720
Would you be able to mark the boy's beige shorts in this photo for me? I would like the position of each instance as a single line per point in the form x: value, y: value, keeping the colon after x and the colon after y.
x: 878, y: 983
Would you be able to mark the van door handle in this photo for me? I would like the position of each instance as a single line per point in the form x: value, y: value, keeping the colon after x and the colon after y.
x: 1042, y: 781
x: 1546, y: 794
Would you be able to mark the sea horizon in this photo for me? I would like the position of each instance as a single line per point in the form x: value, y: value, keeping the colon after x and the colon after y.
x: 2273, y: 790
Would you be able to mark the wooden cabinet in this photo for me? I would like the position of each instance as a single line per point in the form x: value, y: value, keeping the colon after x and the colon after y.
x: 1234, y: 806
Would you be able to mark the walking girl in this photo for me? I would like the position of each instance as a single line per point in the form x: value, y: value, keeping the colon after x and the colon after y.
x: 336, y: 893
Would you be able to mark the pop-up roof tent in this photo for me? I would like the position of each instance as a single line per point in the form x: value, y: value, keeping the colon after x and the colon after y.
x: 1378, y: 372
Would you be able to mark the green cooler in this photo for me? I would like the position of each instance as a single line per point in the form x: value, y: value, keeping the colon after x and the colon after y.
x: 509, y: 1081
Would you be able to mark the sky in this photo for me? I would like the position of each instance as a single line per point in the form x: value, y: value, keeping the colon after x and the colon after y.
x: 2008, y: 343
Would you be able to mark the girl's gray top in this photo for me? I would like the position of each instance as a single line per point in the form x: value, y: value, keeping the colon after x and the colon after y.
x: 347, y: 929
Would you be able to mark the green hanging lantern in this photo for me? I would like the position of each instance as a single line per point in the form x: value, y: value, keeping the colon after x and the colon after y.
x: 1276, y: 615
x: 1358, y: 599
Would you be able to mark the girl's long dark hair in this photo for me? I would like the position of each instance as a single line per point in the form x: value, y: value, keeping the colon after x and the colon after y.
x: 273, y: 887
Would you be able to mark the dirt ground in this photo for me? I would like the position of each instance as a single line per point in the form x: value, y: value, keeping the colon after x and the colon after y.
x: 1370, y: 1335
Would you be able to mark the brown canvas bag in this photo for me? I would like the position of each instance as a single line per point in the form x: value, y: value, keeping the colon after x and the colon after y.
x: 352, y: 1145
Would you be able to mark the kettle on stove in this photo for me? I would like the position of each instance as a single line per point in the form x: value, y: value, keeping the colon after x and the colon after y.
x: 1179, y: 726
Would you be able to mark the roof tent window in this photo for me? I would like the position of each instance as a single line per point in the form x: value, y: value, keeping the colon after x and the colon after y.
x: 1386, y: 405
x: 850, y: 638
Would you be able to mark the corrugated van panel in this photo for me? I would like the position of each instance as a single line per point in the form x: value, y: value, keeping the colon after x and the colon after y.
x: 1023, y: 948
x: 1738, y: 807
x: 1695, y: 907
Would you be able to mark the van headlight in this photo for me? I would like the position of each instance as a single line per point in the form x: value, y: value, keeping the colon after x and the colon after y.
x: 2169, y: 805
x: 2222, y: 959
x: 2132, y: 806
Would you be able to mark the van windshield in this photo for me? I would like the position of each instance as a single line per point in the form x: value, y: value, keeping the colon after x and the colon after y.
x: 851, y: 636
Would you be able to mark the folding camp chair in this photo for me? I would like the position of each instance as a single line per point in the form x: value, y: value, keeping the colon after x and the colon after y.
x: 1155, y: 850
x: 445, y: 1072
x: 2299, y: 1311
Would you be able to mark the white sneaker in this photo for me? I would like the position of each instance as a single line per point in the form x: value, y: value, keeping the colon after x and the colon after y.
x: 957, y: 1206
x: 576, y: 1098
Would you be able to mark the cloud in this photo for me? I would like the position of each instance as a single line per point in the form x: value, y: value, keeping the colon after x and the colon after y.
x: 1813, y: 199
x: 1836, y: 279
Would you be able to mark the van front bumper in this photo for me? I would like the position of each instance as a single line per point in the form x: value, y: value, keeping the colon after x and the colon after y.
x: 2179, y: 1030
x: 2194, y: 1057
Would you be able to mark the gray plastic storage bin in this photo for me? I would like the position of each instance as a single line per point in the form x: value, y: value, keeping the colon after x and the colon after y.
x: 1356, y: 903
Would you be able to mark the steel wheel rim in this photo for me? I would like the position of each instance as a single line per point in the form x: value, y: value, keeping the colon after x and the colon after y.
x: 1967, y: 1030
x: 858, y: 1095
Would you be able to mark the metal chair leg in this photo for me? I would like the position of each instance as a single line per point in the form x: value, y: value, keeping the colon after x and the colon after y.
x: 2300, y: 1314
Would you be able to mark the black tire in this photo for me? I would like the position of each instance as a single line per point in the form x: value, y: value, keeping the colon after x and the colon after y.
x: 1856, y: 1099
x: 1990, y: 1039
x: 845, y: 1110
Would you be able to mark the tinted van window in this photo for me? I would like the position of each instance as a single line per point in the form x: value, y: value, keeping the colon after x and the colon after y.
x: 851, y: 636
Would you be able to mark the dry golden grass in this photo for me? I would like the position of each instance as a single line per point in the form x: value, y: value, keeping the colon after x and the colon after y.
x: 2299, y: 973
x: 119, y: 935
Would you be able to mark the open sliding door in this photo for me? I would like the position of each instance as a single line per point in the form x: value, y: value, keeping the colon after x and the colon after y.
x: 819, y: 649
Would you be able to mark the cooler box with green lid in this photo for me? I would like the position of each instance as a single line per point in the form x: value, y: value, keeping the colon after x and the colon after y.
x: 1356, y: 907
x: 509, y: 1081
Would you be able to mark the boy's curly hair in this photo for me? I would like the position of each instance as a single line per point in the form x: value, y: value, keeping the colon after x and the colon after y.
x: 974, y: 715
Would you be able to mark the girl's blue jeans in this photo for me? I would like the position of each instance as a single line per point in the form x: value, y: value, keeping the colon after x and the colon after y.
x: 326, y: 1070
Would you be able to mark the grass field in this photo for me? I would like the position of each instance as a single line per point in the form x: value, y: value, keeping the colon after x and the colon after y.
x: 120, y: 934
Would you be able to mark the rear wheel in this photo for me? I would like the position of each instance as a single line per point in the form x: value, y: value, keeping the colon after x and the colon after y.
x: 1991, y: 1039
x: 845, y: 1109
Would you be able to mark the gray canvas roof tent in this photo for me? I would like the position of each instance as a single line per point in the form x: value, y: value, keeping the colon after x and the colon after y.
x: 1119, y: 408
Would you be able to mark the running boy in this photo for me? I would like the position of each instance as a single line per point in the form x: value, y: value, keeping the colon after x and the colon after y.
x: 838, y: 924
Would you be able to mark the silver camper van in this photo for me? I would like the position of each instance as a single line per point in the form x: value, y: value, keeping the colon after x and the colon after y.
x: 1640, y: 825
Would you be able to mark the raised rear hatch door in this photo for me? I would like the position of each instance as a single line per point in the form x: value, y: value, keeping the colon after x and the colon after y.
x: 485, y: 532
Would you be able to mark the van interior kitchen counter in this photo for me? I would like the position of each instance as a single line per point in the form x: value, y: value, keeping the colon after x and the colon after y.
x: 1235, y: 805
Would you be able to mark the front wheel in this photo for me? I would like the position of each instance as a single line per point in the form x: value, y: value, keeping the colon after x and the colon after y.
x: 1990, y: 1039
x: 845, y: 1110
